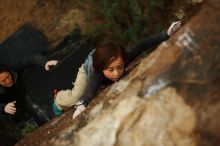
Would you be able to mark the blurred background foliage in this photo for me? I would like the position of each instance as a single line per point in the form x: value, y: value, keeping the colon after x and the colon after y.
x: 129, y: 20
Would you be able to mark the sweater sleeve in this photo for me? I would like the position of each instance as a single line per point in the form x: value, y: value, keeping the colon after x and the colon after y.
x: 145, y: 44
x: 38, y: 60
x: 2, y: 106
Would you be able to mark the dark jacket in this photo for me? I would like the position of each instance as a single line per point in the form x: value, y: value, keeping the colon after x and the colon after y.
x: 16, y: 92
x: 95, y: 79
x: 16, y: 62
x: 23, y: 48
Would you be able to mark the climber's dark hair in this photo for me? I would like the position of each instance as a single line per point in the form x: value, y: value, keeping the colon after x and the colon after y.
x: 106, y: 53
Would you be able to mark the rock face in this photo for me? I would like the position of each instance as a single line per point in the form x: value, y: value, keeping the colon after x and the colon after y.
x: 170, y: 98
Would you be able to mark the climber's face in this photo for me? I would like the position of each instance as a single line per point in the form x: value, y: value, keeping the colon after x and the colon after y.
x: 115, y: 69
x: 6, y: 79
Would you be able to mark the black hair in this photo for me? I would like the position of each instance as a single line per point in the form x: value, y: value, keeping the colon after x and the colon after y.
x: 106, y: 53
x: 4, y: 68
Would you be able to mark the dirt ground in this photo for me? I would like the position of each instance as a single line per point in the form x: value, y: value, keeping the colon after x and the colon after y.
x: 55, y: 18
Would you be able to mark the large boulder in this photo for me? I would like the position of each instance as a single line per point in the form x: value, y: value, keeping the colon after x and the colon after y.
x: 171, y: 97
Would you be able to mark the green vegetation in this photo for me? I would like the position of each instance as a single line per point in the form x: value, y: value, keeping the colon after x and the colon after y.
x: 127, y: 20
x: 12, y: 130
x: 124, y: 18
x: 28, y: 127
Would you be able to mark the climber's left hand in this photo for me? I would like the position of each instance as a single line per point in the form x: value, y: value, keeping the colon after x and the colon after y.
x: 78, y: 110
x: 173, y: 28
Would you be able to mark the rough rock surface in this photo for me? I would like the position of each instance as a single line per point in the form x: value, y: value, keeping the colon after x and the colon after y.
x: 171, y: 97
x: 54, y: 18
